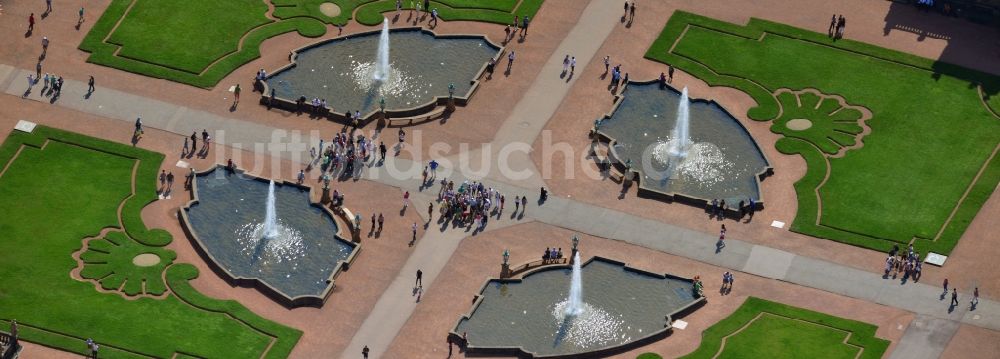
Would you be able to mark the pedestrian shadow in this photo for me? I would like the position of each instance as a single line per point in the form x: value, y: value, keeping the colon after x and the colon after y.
x: 570, y: 77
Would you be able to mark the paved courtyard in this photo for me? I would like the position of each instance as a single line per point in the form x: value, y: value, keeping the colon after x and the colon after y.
x: 504, y: 138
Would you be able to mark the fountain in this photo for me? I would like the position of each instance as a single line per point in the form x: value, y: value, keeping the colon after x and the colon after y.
x: 296, y: 254
x: 685, y: 147
x: 381, y: 73
x: 354, y: 72
x: 575, y: 301
x: 270, y: 217
x: 521, y: 316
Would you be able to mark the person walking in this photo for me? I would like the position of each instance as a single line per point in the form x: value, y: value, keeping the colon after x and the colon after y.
x: 975, y: 298
x: 90, y: 85
x: 381, y: 221
x: 517, y: 203
x: 510, y: 60
x: 572, y: 65
x: 430, y: 212
x: 954, y: 297
x: 364, y: 352
x: 631, y: 11
x: 524, y: 204
x: 565, y: 64
x: 420, y: 279
x: 670, y: 73
x: 833, y: 25
x: 607, y: 63
x: 80, y: 20
x: 625, y: 14
x: 138, y: 128
x: 945, y: 287
x: 31, y: 22
x: 236, y: 93
x: 48, y: 6
x: 406, y: 199
x: 170, y: 181
x: 414, y: 239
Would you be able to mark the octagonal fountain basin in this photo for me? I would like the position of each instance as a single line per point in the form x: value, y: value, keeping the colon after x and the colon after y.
x: 420, y: 67
x: 267, y: 235
x: 619, y: 306
x: 697, y: 150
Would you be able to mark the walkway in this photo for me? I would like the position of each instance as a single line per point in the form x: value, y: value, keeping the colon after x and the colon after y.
x: 537, y: 105
x: 399, y: 300
x: 433, y: 251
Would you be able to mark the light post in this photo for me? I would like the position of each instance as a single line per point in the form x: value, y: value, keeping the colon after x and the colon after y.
x: 505, y: 267
x: 451, y: 97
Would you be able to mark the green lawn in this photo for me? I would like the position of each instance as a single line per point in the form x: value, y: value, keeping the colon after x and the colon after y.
x: 931, y: 132
x: 156, y: 32
x: 188, y: 41
x: 199, y: 42
x: 779, y: 331
x: 54, y: 197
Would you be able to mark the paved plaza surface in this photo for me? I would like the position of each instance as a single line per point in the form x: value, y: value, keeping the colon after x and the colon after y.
x: 374, y: 305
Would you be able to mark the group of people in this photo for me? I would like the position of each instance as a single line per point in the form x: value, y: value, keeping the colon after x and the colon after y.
x: 629, y: 11
x: 718, y: 207
x: 50, y: 82
x: 617, y: 79
x: 471, y: 203
x: 518, y: 26
x: 206, y: 140
x: 668, y: 77
x: 837, y: 25
x: 345, y: 151
x: 569, y: 63
x: 906, y: 263
x: 552, y: 254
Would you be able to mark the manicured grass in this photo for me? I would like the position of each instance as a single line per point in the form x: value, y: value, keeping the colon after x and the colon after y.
x: 161, y: 33
x: 784, y: 331
x: 930, y: 132
x: 197, y: 42
x: 52, y: 199
x: 189, y: 41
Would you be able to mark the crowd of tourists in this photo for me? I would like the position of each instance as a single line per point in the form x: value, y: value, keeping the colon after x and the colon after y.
x: 471, y: 203
x: 906, y: 263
